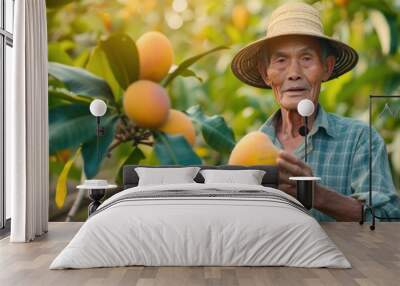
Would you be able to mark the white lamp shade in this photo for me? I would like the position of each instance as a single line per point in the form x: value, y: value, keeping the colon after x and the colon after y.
x: 98, y: 107
x: 305, y: 107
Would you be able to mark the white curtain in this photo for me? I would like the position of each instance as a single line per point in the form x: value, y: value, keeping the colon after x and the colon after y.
x: 27, y: 124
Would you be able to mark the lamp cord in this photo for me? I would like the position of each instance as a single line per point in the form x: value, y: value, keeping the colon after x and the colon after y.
x: 305, y: 138
x: 97, y: 138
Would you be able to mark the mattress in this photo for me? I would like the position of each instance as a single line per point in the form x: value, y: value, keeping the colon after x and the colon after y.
x: 201, y: 225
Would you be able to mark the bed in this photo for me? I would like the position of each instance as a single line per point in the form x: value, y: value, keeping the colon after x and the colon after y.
x: 201, y: 224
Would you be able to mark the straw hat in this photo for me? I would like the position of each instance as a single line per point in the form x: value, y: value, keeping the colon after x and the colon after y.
x: 290, y: 19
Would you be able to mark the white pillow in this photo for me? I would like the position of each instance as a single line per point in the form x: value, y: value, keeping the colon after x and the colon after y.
x: 162, y: 176
x: 249, y: 177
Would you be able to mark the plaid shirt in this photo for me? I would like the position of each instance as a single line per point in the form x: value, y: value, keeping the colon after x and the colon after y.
x: 338, y: 152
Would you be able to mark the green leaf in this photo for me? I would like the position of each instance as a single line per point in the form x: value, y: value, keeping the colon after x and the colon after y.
x: 61, y: 187
x: 56, y: 53
x: 67, y: 112
x: 190, y: 73
x: 82, y: 58
x: 67, y: 96
x: 134, y: 157
x: 386, y: 28
x: 215, y: 131
x: 71, y: 125
x: 81, y: 81
x: 99, y: 66
x: 151, y: 159
x: 392, y: 83
x: 182, y: 68
x: 123, y: 57
x: 71, y: 133
x: 174, y: 150
x: 394, y: 36
x: 92, y: 160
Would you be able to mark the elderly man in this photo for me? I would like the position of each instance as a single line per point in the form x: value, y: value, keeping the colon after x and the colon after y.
x: 294, y: 59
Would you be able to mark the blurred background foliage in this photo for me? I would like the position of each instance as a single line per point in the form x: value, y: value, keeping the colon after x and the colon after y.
x: 193, y: 26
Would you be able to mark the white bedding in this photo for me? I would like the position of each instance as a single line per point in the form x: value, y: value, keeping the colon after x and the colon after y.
x: 182, y: 231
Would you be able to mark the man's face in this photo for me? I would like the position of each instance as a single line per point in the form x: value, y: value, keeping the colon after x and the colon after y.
x: 295, y: 70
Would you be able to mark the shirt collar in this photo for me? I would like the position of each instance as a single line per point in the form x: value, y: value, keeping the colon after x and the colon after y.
x: 321, y: 122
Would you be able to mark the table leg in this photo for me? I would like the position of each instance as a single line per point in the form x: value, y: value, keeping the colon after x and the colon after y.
x: 95, y: 196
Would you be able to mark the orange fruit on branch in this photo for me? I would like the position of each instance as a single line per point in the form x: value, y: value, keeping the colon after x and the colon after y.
x: 146, y: 103
x: 178, y: 123
x: 156, y: 56
x: 240, y: 16
x: 342, y: 3
x: 107, y: 22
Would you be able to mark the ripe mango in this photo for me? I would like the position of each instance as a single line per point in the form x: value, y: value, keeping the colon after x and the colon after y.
x: 342, y: 3
x: 178, y: 123
x: 255, y: 148
x: 240, y: 16
x: 146, y: 103
x: 156, y: 56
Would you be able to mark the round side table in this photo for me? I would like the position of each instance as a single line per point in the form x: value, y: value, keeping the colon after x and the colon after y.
x: 96, y: 193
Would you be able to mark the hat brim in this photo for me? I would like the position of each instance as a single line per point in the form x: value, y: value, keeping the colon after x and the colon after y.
x: 245, y: 63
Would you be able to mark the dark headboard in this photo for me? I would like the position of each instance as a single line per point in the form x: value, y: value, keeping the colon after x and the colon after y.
x: 270, y: 179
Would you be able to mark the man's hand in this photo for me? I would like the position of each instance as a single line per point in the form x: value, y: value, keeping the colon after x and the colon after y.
x: 334, y: 204
x: 290, y: 166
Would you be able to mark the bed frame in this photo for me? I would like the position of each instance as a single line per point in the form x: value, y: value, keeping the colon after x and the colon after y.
x: 270, y: 179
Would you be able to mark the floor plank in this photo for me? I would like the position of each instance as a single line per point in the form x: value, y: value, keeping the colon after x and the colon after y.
x: 374, y: 255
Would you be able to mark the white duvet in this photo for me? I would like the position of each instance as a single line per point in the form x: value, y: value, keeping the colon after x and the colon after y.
x: 200, y: 231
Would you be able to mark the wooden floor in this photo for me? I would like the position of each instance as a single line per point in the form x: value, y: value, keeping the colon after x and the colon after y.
x: 374, y: 255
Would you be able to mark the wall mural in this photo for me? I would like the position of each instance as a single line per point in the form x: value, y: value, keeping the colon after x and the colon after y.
x: 163, y: 70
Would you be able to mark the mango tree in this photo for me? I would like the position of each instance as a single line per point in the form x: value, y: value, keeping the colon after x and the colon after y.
x: 134, y: 85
